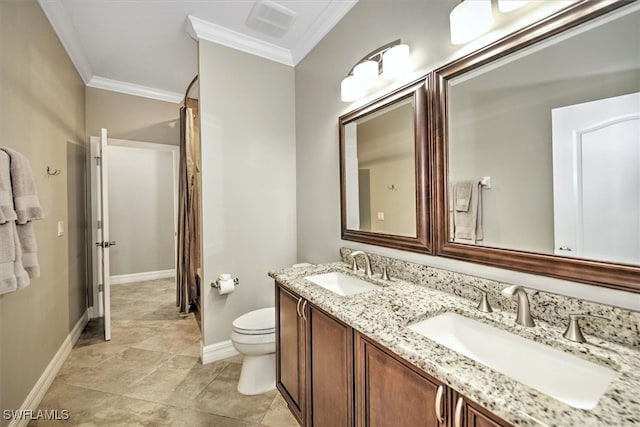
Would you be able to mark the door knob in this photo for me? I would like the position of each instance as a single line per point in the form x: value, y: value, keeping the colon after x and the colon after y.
x: 106, y: 244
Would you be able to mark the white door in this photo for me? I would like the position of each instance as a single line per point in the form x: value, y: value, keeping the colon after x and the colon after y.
x: 100, y: 230
x: 596, y: 179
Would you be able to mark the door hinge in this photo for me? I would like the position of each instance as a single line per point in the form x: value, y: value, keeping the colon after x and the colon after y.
x: 101, y: 288
x: 98, y: 161
x: 99, y: 224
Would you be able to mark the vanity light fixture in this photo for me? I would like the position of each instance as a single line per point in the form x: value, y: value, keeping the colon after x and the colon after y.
x: 469, y: 20
x: 396, y: 62
x: 506, y: 6
x: 391, y: 61
x: 366, y: 73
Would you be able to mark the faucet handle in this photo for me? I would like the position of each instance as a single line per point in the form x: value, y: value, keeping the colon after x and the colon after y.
x: 385, y: 273
x: 483, y: 304
x: 573, y: 332
x: 354, y: 264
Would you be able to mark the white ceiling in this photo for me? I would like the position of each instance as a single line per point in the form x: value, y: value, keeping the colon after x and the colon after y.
x: 147, y: 47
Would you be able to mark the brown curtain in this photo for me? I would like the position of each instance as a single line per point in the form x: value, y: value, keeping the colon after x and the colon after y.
x: 188, y: 264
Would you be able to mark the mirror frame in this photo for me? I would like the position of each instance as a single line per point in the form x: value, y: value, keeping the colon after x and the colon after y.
x: 611, y: 275
x: 423, y: 155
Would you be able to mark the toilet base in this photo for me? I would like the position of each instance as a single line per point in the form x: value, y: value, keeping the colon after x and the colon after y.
x: 258, y: 374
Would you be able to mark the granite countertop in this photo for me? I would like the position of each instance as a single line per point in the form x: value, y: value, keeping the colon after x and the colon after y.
x: 384, y: 313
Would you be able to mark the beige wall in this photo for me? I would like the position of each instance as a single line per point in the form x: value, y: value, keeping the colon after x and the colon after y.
x: 424, y: 26
x: 42, y: 116
x: 132, y: 117
x: 248, y: 180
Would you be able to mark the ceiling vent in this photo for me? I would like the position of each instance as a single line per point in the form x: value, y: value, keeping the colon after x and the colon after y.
x: 270, y: 18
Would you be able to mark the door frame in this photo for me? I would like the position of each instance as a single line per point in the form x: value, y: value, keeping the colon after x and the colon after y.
x: 95, y: 310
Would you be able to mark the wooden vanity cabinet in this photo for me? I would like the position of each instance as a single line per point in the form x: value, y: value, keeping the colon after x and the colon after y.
x: 314, y: 362
x: 330, y: 370
x: 331, y: 376
x: 291, y: 352
x: 392, y: 392
x: 469, y: 414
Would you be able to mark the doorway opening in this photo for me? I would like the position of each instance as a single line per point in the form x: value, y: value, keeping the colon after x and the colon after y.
x: 134, y: 220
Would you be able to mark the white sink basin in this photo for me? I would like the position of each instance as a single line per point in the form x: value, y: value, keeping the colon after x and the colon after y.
x: 342, y: 284
x: 572, y: 380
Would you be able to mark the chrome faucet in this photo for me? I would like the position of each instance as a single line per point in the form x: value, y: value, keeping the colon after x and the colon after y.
x: 368, y: 270
x: 523, y: 315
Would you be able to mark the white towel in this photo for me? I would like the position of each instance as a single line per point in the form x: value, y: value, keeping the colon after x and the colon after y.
x: 12, y: 273
x: 29, y: 248
x: 25, y: 197
x: 19, y: 205
x: 463, y: 190
x: 7, y: 213
x: 467, y: 225
x: 8, y: 281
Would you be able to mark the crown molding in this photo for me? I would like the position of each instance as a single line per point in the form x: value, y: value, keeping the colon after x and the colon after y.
x: 334, y: 12
x: 134, y: 89
x: 63, y: 27
x: 200, y: 29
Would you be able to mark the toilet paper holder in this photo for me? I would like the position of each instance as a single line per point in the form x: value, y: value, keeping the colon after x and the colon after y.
x: 216, y: 283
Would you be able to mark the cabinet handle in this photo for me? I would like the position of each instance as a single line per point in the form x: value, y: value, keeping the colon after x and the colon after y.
x: 298, y: 307
x: 438, y: 404
x: 304, y: 306
x: 457, y: 419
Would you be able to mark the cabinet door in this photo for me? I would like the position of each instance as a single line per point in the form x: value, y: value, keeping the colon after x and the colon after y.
x: 470, y: 414
x: 331, y: 370
x: 390, y: 392
x: 290, y: 351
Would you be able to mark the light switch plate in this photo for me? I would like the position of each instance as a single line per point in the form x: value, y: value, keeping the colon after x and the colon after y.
x: 60, y: 228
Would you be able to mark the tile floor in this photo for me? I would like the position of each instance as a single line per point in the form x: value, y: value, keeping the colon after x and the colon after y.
x: 150, y: 374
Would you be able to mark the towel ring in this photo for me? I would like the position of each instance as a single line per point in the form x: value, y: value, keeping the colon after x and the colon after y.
x: 53, y: 172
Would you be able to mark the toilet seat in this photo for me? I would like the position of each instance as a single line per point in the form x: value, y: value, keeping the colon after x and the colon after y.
x: 258, y: 322
x: 241, y: 338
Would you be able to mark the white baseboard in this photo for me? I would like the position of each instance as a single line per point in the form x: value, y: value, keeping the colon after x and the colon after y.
x: 217, y: 351
x: 139, y: 277
x: 41, y: 387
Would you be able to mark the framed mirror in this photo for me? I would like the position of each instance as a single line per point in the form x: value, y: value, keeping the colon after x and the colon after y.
x: 384, y: 171
x: 538, y: 149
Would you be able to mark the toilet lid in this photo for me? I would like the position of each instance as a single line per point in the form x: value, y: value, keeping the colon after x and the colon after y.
x: 256, y: 322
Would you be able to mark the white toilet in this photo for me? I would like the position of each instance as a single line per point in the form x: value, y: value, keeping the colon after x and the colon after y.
x: 254, y: 336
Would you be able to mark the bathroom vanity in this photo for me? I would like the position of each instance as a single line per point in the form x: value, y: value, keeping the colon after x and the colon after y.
x: 320, y: 357
x: 346, y: 360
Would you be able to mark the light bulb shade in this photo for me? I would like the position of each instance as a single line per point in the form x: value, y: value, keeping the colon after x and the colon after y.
x: 351, y: 89
x: 366, y: 73
x: 469, y: 20
x: 510, y: 5
x: 396, y: 62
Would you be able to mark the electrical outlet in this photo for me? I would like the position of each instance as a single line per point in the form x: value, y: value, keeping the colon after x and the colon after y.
x: 381, y: 216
